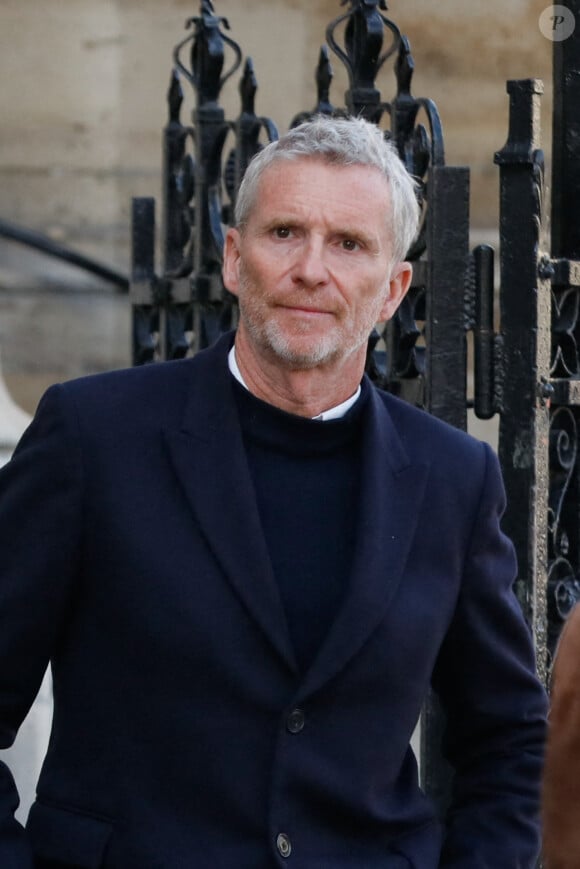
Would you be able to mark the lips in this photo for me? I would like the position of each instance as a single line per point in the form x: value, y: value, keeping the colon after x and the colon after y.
x: 302, y: 309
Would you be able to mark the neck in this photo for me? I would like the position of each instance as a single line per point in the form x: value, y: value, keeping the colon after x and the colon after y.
x: 304, y: 392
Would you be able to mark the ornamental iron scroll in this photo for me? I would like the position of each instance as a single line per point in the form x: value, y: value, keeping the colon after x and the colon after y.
x: 563, y: 518
x: 564, y: 472
x: 565, y: 333
x: 564, y: 482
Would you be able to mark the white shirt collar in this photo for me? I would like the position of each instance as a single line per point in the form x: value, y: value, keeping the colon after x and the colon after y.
x: 332, y: 413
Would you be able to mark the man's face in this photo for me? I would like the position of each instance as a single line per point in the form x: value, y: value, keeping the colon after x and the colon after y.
x: 312, y: 267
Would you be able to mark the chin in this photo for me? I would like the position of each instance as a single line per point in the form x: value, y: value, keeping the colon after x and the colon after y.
x: 304, y: 353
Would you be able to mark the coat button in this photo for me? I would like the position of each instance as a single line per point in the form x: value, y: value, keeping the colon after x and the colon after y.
x: 295, y: 721
x: 283, y: 845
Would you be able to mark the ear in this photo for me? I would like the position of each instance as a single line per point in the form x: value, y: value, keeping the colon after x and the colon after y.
x: 230, y: 268
x: 399, y: 283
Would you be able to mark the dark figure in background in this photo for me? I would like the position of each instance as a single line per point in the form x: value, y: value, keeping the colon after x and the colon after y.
x: 247, y: 568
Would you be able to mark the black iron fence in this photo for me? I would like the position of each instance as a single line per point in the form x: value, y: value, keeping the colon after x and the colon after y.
x: 525, y: 332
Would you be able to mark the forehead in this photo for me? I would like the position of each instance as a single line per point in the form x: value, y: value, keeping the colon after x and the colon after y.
x: 311, y: 185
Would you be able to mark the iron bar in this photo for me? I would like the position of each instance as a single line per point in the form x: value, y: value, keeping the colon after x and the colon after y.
x: 525, y: 325
x: 448, y: 257
x: 142, y: 279
x: 483, y: 333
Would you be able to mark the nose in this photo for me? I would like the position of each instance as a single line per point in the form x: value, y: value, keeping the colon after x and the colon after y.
x: 310, y: 269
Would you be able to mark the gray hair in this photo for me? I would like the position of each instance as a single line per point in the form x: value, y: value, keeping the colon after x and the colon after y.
x: 341, y: 142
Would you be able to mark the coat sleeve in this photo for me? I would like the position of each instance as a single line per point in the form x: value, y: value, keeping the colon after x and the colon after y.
x: 561, y: 784
x: 40, y: 519
x: 495, y: 706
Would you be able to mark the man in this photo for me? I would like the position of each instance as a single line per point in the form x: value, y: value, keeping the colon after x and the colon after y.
x: 246, y: 569
x: 561, y: 786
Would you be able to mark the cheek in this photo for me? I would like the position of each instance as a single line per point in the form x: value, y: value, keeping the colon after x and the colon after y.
x: 262, y: 279
x: 370, y: 300
x: 252, y: 289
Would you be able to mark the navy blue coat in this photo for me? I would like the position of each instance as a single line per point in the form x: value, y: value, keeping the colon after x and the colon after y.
x: 184, y: 736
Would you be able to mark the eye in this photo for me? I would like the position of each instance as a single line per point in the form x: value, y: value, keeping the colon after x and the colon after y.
x: 282, y: 232
x: 350, y: 244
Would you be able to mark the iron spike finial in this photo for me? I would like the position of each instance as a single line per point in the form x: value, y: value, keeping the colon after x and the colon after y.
x: 248, y: 87
x: 363, y: 54
x: 324, y: 76
x: 207, y: 55
x: 404, y: 67
x: 174, y: 97
x: 382, y: 4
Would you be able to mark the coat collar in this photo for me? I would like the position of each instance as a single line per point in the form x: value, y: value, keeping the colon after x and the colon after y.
x: 209, y: 459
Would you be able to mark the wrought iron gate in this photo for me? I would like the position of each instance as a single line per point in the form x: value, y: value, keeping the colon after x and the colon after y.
x: 525, y: 333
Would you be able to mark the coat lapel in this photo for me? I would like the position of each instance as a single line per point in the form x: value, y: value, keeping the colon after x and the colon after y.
x: 209, y: 459
x: 391, y: 489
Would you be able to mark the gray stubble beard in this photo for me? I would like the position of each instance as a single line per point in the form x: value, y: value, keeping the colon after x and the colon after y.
x: 268, y: 335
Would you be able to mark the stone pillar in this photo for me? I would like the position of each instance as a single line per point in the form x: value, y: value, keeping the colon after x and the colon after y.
x: 25, y: 756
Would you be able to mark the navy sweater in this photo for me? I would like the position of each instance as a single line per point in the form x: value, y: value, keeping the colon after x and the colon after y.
x: 306, y: 479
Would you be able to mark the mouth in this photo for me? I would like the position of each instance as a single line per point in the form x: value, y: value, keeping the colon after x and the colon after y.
x: 306, y: 311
